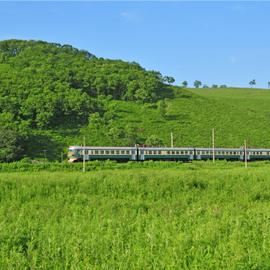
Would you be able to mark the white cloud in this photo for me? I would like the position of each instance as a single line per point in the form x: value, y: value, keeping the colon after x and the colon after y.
x: 131, y: 16
x: 232, y: 59
x: 239, y: 8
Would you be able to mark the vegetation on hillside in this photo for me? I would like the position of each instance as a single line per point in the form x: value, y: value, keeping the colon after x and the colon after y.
x: 48, y: 86
x: 53, y: 95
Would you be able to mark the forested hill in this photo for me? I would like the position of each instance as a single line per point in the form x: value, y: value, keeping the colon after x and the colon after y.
x: 50, y: 86
x: 52, y: 95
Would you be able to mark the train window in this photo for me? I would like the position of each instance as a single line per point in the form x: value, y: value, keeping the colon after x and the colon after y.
x: 168, y: 152
x: 101, y: 152
x: 172, y: 152
x: 122, y: 152
x: 127, y: 152
x: 150, y: 152
x: 112, y: 152
x: 96, y: 152
x: 159, y: 152
x: 133, y: 152
x: 117, y: 152
x: 107, y: 152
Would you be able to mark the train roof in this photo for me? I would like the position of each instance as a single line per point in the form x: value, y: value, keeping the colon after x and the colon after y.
x: 102, y: 147
x: 166, y: 148
x: 219, y: 149
x: 258, y: 149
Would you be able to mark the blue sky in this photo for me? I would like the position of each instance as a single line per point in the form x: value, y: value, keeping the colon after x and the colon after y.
x: 215, y: 42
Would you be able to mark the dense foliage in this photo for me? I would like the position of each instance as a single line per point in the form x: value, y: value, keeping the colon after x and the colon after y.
x: 47, y: 85
x: 204, y: 218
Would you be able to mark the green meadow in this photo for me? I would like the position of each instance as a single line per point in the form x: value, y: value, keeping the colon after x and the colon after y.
x: 184, y: 216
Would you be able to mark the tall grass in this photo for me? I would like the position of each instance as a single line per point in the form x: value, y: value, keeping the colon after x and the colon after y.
x: 144, y: 218
x: 113, y: 165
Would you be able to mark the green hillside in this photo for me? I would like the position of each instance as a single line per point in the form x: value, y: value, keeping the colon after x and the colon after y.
x: 236, y: 114
x: 53, y: 95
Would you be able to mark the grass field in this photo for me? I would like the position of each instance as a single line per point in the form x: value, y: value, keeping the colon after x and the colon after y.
x: 191, y: 216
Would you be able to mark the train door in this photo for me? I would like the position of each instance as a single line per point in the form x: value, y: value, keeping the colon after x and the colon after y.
x: 134, y: 154
x: 141, y: 154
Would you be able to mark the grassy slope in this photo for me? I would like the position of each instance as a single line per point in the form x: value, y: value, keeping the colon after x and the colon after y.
x: 236, y: 114
x: 136, y: 219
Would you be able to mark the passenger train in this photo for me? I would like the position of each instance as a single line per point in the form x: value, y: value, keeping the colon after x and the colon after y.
x: 137, y: 153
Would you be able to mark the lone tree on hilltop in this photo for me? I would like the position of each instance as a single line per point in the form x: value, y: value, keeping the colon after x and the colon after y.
x: 168, y: 79
x: 185, y: 83
x: 197, y: 84
x: 252, y: 83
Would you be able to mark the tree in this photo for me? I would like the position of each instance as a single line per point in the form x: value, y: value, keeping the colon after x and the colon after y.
x: 131, y: 134
x: 268, y: 84
x: 214, y: 86
x: 205, y: 86
x: 223, y: 86
x: 154, y: 140
x: 12, y: 138
x: 252, y: 82
x: 162, y: 108
x: 116, y: 134
x: 197, y: 84
x: 185, y: 83
x: 168, y: 79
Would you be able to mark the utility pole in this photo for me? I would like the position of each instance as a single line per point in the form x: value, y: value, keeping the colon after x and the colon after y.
x: 213, y: 145
x: 245, y: 149
x: 44, y: 151
x: 83, y: 153
x: 171, y: 140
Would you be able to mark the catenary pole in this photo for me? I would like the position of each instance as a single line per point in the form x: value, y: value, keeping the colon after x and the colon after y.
x: 83, y: 153
x: 245, y: 145
x: 213, y: 145
x: 171, y: 140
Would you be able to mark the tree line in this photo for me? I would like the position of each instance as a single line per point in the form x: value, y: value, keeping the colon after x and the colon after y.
x: 198, y: 84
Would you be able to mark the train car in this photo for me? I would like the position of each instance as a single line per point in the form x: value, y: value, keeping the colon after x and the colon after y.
x: 76, y: 153
x: 165, y: 153
x: 258, y: 154
x: 220, y: 153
